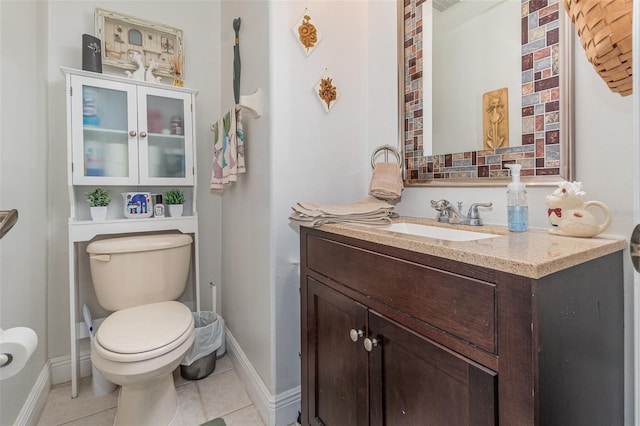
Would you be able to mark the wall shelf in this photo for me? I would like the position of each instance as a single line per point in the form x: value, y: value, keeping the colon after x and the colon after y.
x: 85, y: 230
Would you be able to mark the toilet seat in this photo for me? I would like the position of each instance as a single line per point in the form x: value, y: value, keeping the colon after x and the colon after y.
x: 144, y: 332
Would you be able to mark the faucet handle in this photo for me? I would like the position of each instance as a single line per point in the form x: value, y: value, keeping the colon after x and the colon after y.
x: 474, y: 216
x: 440, y: 207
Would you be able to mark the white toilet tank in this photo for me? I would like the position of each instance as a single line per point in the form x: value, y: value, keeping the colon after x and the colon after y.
x: 133, y: 271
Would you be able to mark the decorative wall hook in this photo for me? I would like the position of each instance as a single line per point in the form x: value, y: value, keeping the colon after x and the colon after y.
x: 253, y: 103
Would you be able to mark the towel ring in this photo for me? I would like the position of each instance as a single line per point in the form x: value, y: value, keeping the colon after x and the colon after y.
x: 386, y: 149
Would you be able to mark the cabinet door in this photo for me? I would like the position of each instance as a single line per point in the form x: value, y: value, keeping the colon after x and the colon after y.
x: 336, y: 365
x: 416, y: 382
x: 166, y: 137
x: 104, y: 132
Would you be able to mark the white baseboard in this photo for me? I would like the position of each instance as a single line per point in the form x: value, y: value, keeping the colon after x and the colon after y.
x: 61, y: 367
x: 36, y: 399
x: 275, y: 410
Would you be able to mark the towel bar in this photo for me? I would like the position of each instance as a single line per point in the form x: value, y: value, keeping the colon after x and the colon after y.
x: 252, y: 103
x: 386, y: 149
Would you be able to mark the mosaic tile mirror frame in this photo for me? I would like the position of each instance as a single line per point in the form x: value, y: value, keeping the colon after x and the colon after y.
x: 547, y: 149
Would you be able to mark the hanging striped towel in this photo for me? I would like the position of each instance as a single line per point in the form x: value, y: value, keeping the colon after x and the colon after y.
x: 240, y: 136
x: 228, y: 150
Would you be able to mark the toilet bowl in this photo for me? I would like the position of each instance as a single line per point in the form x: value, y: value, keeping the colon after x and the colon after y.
x: 138, y: 348
x: 140, y: 344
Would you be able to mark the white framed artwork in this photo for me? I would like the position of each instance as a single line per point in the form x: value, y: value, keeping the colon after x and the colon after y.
x: 122, y: 36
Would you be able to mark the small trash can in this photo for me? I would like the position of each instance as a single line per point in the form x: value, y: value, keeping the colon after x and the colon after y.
x: 200, y: 361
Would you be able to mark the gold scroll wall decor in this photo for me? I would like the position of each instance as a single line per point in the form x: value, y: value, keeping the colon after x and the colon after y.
x: 495, y: 119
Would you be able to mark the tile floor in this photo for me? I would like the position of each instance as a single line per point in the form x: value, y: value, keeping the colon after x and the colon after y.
x: 222, y: 394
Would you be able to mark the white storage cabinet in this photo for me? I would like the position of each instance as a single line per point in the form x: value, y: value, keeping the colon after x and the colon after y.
x: 125, y: 135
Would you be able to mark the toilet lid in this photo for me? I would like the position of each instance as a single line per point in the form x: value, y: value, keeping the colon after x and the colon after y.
x: 144, y: 332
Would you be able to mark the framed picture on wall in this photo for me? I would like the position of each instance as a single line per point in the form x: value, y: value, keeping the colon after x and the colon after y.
x: 123, y: 35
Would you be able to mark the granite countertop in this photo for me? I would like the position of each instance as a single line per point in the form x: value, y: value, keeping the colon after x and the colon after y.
x: 533, y: 254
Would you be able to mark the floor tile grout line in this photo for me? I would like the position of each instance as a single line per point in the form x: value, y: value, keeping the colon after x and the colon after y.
x: 84, y: 417
x: 223, y: 414
x: 204, y: 409
x: 233, y: 411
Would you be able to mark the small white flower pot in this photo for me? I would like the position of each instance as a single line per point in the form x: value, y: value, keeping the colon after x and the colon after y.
x: 175, y: 210
x: 99, y: 213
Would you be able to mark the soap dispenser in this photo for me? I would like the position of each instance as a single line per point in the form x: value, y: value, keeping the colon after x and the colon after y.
x: 517, y: 209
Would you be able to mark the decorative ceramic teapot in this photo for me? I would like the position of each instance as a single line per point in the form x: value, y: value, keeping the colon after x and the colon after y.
x: 568, y: 212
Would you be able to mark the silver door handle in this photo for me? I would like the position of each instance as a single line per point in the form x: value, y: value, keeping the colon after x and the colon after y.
x: 356, y: 334
x: 369, y: 344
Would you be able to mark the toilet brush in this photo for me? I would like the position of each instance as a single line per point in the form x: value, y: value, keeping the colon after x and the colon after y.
x: 99, y: 384
x: 88, y: 320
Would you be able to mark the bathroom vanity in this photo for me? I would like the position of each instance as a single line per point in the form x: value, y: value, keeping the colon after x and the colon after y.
x: 520, y: 329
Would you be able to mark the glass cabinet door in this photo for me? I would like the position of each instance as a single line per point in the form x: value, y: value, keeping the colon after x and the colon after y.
x: 165, y: 152
x: 104, y: 130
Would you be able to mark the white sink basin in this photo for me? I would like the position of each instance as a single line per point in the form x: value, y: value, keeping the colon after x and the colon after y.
x: 438, y: 232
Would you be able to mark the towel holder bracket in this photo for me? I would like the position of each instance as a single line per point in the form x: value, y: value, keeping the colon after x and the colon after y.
x: 386, y: 148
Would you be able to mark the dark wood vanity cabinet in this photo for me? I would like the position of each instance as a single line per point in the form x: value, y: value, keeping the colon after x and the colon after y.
x: 395, y: 337
x: 399, y: 378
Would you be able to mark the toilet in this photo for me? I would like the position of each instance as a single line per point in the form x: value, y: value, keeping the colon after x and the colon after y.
x: 148, y: 334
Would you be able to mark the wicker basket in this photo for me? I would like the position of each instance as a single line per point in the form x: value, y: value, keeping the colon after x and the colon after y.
x: 604, y: 27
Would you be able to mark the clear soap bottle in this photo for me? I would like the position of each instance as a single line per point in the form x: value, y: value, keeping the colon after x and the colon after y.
x: 517, y: 209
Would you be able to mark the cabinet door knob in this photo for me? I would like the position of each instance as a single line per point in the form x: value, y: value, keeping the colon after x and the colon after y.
x: 356, y: 334
x: 369, y: 344
x: 132, y: 133
x: 143, y: 134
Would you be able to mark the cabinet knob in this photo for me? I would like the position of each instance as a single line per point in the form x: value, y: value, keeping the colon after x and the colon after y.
x: 143, y: 134
x: 356, y: 334
x: 369, y: 344
x: 132, y: 133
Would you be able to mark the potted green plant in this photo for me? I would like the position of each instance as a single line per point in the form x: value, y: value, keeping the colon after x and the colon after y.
x: 98, y: 201
x: 174, y: 198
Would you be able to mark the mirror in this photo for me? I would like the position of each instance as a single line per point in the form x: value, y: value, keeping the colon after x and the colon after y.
x: 450, y: 103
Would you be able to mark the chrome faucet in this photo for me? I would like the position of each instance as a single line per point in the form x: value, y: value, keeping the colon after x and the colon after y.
x: 449, y: 214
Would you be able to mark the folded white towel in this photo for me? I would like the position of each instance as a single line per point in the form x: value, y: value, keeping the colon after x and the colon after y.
x: 368, y: 210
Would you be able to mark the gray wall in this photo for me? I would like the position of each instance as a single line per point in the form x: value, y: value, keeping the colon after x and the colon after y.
x: 23, y: 186
x: 246, y: 217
